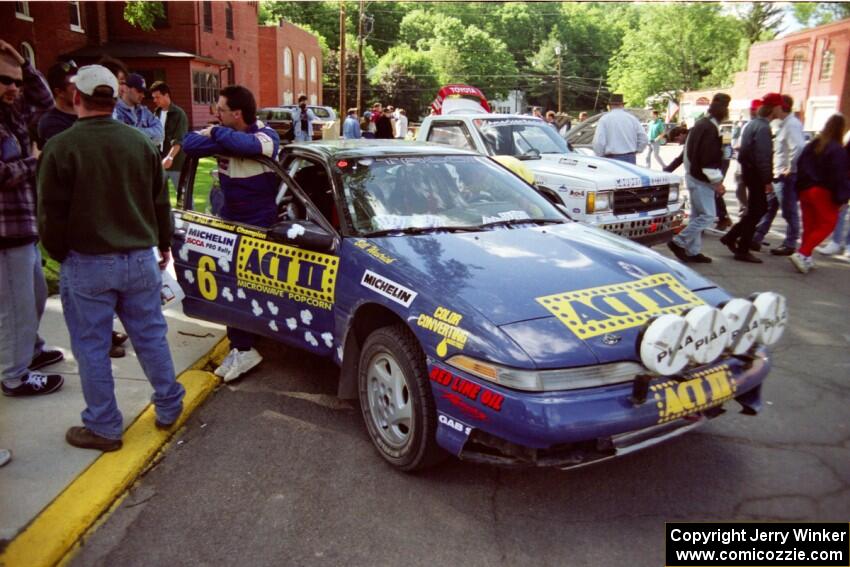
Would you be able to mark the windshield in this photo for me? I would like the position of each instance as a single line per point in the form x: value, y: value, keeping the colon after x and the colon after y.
x: 521, y: 138
x: 434, y: 192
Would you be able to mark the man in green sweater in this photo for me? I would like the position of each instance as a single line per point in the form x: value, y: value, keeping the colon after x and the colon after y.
x: 102, y: 207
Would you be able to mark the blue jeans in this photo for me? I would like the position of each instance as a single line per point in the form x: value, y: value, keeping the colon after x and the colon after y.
x: 784, y: 197
x: 628, y: 158
x: 703, y: 215
x: 654, y: 148
x: 174, y: 176
x: 94, y: 287
x: 839, y: 236
x: 23, y: 293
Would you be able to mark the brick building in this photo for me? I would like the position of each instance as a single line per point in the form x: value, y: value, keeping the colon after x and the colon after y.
x: 197, y: 48
x: 812, y: 65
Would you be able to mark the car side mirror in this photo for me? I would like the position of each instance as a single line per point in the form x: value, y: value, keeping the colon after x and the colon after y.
x: 303, y: 234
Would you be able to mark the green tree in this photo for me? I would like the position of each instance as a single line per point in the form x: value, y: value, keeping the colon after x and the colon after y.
x: 654, y: 59
x: 761, y: 21
x: 330, y: 87
x: 819, y: 13
x: 322, y: 17
x: 405, y: 78
x: 418, y: 28
x: 143, y: 14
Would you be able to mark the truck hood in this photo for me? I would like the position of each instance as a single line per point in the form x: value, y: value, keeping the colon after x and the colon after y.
x: 506, y: 274
x: 602, y: 173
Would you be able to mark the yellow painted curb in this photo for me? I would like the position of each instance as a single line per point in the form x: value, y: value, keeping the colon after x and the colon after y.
x: 56, y: 530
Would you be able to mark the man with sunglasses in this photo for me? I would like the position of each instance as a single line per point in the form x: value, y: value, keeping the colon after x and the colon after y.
x: 62, y: 116
x: 249, y: 189
x: 23, y: 291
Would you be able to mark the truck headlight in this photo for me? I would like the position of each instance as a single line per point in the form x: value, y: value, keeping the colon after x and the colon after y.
x: 548, y: 380
x: 673, y: 195
x: 598, y: 202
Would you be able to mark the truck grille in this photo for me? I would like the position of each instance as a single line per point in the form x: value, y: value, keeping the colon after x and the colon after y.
x: 640, y: 199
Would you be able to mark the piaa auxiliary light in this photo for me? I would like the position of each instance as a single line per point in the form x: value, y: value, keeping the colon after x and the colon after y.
x: 672, y: 342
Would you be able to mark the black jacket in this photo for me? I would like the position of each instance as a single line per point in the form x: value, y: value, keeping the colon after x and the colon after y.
x: 756, y: 153
x: 704, y: 149
x: 827, y: 170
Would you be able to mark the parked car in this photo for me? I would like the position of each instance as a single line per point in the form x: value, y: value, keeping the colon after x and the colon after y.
x: 625, y: 199
x: 325, y: 122
x: 468, y: 315
x: 279, y: 118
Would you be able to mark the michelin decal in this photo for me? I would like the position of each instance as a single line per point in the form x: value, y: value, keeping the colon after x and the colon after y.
x: 388, y: 288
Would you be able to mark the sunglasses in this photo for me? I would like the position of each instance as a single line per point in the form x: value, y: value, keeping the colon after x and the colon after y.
x: 7, y: 80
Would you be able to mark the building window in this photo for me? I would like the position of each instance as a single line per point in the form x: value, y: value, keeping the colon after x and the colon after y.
x: 287, y: 97
x: 207, y: 15
x: 302, y: 67
x: 28, y: 52
x: 314, y: 100
x: 826, y: 65
x: 287, y: 62
x: 797, y: 70
x: 22, y: 11
x: 228, y: 20
x: 312, y: 69
x: 204, y: 87
x: 762, y: 81
x: 75, y: 16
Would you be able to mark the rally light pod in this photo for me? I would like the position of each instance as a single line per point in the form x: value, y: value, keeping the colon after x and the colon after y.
x: 743, y: 321
x: 707, y: 333
x: 773, y: 315
x: 662, y: 348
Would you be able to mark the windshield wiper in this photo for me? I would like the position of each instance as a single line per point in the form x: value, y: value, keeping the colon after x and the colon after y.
x: 511, y: 222
x: 421, y: 230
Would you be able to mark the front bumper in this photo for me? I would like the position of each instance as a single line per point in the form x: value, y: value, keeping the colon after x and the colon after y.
x: 647, y: 230
x: 566, y: 429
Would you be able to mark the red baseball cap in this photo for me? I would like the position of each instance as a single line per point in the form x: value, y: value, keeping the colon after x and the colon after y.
x: 755, y: 104
x: 772, y: 99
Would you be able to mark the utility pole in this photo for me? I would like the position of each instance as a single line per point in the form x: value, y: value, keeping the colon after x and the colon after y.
x: 599, y: 88
x: 558, y: 53
x: 342, y: 108
x: 360, y: 58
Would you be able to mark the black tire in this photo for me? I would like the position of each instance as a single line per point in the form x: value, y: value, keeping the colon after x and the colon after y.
x: 410, y: 444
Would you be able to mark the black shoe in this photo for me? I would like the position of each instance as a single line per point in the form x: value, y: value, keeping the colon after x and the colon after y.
x: 678, y: 251
x: 118, y: 339
x: 729, y: 242
x: 116, y: 352
x: 34, y: 384
x: 782, y: 251
x: 755, y: 246
x: 699, y: 259
x: 748, y: 257
x: 46, y: 358
x: 724, y: 224
x: 165, y: 426
x: 84, y: 438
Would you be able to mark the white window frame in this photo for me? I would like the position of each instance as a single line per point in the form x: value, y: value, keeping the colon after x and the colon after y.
x: 828, y: 55
x: 313, y: 69
x: 764, y: 69
x: 798, y: 62
x: 28, y: 53
x: 287, y: 62
x: 25, y: 15
x: 287, y: 97
x: 302, y: 66
x: 314, y: 100
x: 79, y: 26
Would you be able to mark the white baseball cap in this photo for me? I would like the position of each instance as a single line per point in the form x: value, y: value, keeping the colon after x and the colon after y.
x: 90, y: 77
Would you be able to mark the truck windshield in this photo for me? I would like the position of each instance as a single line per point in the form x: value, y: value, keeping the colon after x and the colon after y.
x: 417, y: 193
x: 520, y: 138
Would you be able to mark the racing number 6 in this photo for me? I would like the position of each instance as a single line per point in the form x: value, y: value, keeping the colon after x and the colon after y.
x: 206, y: 280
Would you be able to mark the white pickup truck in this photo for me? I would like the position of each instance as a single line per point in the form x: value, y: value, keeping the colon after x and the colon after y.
x: 632, y: 201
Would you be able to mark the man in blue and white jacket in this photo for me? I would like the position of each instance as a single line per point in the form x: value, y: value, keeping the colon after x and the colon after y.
x: 249, y: 189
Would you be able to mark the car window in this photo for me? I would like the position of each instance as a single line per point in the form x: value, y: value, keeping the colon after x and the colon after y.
x: 320, y: 112
x: 436, y: 191
x: 520, y: 138
x: 454, y: 135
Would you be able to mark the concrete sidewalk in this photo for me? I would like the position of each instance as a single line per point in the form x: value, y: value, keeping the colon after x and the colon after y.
x: 43, y: 464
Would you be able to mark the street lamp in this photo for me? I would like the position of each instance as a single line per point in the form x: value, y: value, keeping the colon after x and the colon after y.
x: 558, y: 53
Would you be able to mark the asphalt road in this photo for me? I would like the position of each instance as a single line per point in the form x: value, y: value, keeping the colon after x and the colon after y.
x: 275, y: 470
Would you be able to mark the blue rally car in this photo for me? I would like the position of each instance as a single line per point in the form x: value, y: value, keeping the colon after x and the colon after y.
x: 468, y: 314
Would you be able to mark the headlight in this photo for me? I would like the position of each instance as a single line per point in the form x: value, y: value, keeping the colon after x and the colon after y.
x: 598, y: 202
x: 673, y: 196
x: 548, y: 380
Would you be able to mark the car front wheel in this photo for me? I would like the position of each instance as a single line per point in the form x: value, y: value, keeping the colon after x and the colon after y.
x: 396, y: 399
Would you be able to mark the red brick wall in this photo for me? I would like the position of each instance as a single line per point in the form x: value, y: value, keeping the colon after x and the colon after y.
x: 273, y: 41
x: 241, y: 51
x: 181, y: 30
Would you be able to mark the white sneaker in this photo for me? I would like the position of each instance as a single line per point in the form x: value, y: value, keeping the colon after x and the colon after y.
x: 5, y: 456
x: 243, y: 361
x: 225, y: 365
x: 831, y: 248
x: 802, y: 263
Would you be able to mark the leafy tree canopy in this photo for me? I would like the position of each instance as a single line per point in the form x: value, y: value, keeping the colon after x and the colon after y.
x: 406, y: 78
x: 819, y: 13
x: 143, y: 14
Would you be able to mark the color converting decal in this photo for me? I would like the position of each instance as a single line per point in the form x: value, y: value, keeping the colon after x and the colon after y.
x: 445, y: 323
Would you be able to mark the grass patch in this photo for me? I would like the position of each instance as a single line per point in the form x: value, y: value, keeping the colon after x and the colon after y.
x: 200, y: 197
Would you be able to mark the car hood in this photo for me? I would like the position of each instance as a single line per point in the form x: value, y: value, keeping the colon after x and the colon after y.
x: 505, y: 274
x: 604, y: 173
